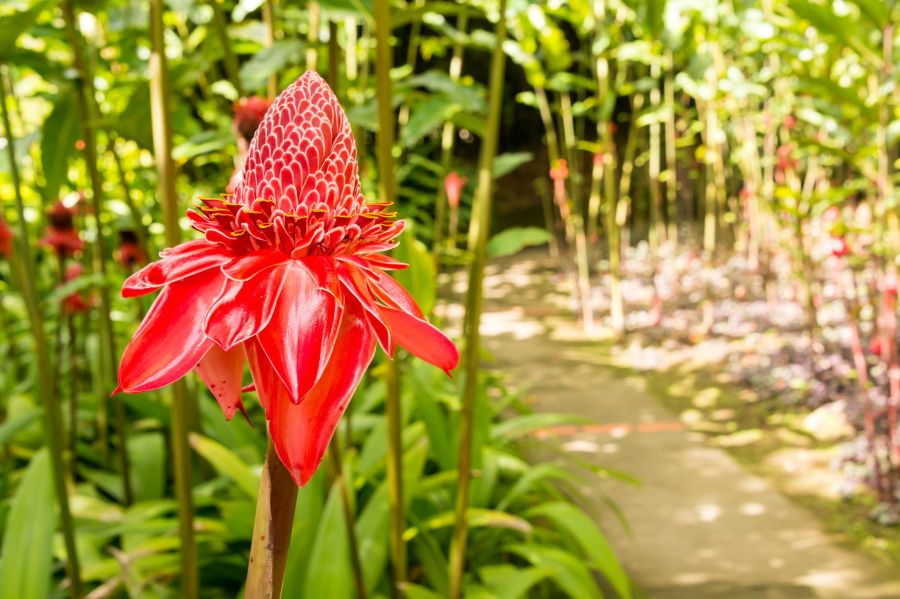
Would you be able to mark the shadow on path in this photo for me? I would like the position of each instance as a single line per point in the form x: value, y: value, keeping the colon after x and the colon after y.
x: 702, y: 527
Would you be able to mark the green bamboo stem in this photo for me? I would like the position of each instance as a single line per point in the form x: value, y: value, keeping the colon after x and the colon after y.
x: 613, y: 239
x: 275, y: 506
x: 312, y: 37
x: 53, y: 422
x: 87, y: 107
x: 657, y: 231
x: 337, y: 462
x: 671, y: 149
x: 181, y: 408
x: 268, y: 13
x: 386, y: 184
x: 140, y: 230
x: 232, y: 71
x: 448, y: 139
x: 479, y: 231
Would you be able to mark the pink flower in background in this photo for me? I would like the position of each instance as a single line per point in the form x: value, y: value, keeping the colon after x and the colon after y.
x: 75, y: 302
x: 6, y: 237
x: 453, y: 185
x: 289, y: 276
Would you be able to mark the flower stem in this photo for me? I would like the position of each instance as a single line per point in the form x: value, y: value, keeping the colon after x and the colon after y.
x: 53, y: 423
x: 478, y: 237
x: 181, y: 400
x: 386, y: 125
x: 272, y: 526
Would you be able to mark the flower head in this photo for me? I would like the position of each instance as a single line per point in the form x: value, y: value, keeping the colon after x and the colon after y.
x: 289, y: 276
x: 61, y: 235
x: 560, y: 171
x: 453, y: 185
x: 838, y: 247
x: 6, y: 237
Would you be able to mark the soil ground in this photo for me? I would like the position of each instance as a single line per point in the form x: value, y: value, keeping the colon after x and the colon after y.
x: 701, y: 524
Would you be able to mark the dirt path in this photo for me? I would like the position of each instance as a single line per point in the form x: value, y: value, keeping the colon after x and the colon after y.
x: 701, y: 525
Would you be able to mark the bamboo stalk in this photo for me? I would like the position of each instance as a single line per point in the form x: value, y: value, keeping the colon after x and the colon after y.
x: 268, y: 13
x: 275, y: 506
x: 479, y: 231
x: 87, y: 109
x: 616, y: 303
x: 386, y: 184
x: 181, y: 401
x: 657, y: 232
x: 671, y: 155
x: 340, y: 480
x: 448, y: 139
x: 312, y: 37
x: 53, y: 422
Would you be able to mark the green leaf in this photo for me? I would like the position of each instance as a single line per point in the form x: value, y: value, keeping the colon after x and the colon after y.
x: 511, y: 582
x: 418, y: 279
x: 569, y: 519
x: 226, y: 463
x: 518, y: 426
x: 510, y: 161
x: 16, y: 24
x: 20, y: 422
x: 329, y: 573
x: 202, y: 143
x: 414, y: 591
x: 147, y: 452
x: 569, y: 572
x: 478, y: 518
x: 428, y: 116
x: 60, y: 132
x: 269, y: 61
x: 514, y: 240
x: 27, y: 554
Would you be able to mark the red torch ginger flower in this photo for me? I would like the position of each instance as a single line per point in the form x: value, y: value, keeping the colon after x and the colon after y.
x: 290, y: 276
x: 453, y: 185
x: 61, y: 235
x: 6, y: 237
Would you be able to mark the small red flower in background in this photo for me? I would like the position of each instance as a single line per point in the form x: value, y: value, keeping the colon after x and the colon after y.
x: 453, y: 185
x: 838, y: 247
x: 6, y: 237
x: 248, y: 114
x: 790, y: 122
x: 888, y: 284
x: 560, y: 171
x: 75, y: 302
x: 290, y: 276
x: 61, y: 235
x: 130, y: 254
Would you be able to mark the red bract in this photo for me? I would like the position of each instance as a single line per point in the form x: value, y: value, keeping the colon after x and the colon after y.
x: 6, y: 237
x: 453, y: 184
x: 61, y: 235
x: 289, y: 275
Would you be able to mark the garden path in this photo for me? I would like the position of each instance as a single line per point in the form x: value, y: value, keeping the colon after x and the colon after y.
x: 701, y: 525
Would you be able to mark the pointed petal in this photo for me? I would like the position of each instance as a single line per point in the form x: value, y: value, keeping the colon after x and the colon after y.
x: 301, y: 333
x: 244, y: 308
x: 170, y: 340
x: 266, y: 381
x: 249, y: 265
x: 176, y: 264
x: 222, y: 372
x: 301, y: 433
x: 385, y: 262
x: 355, y: 284
x: 420, y: 338
x: 393, y: 294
